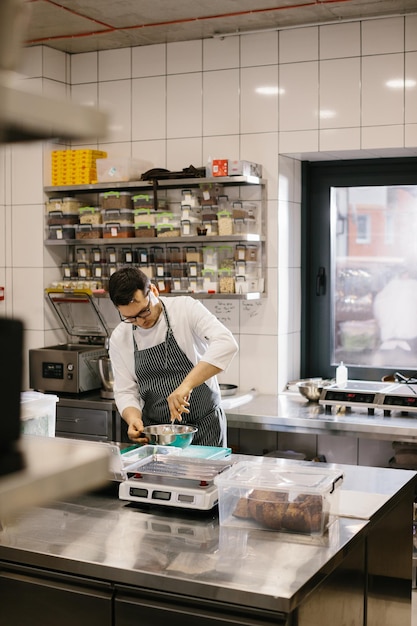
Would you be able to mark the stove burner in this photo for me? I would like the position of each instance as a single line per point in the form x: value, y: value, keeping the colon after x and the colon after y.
x: 372, y: 395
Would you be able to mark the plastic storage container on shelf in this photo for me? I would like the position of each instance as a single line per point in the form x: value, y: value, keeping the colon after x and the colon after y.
x: 118, y: 231
x: 115, y: 200
x: 144, y: 215
x: 271, y: 494
x: 58, y: 218
x: 63, y: 232
x: 38, y: 413
x: 89, y: 231
x: 66, y: 205
x: 145, y: 229
x: 124, y: 217
x: 90, y: 215
x: 225, y: 223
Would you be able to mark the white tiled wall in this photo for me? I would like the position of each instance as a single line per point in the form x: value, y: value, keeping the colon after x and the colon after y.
x: 274, y: 98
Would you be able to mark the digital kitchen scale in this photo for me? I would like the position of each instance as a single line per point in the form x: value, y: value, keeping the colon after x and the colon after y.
x: 400, y: 397
x: 175, y: 481
x: 355, y: 393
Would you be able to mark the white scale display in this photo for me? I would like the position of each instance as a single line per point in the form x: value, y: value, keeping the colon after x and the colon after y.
x: 174, y: 481
x: 371, y: 395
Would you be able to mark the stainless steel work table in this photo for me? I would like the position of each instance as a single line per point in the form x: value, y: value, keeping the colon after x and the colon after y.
x: 289, y: 412
x: 98, y: 560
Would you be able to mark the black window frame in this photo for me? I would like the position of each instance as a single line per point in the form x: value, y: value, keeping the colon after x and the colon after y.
x: 317, y: 179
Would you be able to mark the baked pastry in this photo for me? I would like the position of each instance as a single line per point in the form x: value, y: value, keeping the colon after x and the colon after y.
x: 274, y: 511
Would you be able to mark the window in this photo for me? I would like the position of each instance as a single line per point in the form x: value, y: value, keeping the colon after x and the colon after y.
x: 360, y: 268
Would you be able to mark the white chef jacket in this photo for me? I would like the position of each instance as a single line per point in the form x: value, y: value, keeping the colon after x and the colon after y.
x: 197, y: 331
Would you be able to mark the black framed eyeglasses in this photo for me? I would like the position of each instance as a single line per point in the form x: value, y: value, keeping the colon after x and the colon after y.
x: 130, y: 319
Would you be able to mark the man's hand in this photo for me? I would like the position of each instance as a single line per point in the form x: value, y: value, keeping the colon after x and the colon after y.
x: 133, y: 418
x: 178, y: 402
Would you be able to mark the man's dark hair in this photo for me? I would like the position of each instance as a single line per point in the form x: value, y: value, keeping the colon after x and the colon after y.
x: 125, y: 282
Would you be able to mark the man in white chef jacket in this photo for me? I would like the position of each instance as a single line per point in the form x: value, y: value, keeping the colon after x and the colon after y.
x: 165, y: 355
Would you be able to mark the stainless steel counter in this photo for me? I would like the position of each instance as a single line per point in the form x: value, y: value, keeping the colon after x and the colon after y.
x: 289, y: 412
x: 187, y: 554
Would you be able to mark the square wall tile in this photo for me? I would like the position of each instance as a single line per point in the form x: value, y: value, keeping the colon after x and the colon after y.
x: 260, y: 351
x: 184, y: 105
x: 297, y: 142
x: 220, y: 54
x: 184, y: 152
x: 30, y: 63
x: 410, y: 87
x: 260, y: 317
x: 298, y: 96
x: 410, y: 33
x: 410, y: 136
x: 148, y: 108
x: 221, y: 147
x: 287, y: 179
x: 383, y: 90
x: 263, y: 148
x: 27, y: 162
x: 55, y: 64
x: 221, y: 102
x: 289, y: 348
x: 382, y: 137
x: 337, y: 41
x: 382, y: 36
x: 114, y: 64
x: 340, y: 139
x: 114, y: 97
x: 28, y: 233
x: 184, y: 56
x: 226, y: 311
x: 149, y: 61
x: 272, y: 247
x: 284, y: 242
x: 85, y: 94
x: 54, y: 89
x: 152, y: 151
x: 341, y: 107
x: 2, y: 236
x: 84, y: 68
x: 28, y: 296
x: 259, y: 99
x: 259, y: 49
x: 299, y: 44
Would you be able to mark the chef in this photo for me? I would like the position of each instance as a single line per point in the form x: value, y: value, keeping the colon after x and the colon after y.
x: 165, y: 355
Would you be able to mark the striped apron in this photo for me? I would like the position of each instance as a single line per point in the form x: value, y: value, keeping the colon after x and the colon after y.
x: 160, y: 370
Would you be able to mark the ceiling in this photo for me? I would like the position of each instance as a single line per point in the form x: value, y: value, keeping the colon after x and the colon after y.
x: 76, y: 26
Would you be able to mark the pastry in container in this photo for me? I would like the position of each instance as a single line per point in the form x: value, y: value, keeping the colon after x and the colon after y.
x: 272, y: 494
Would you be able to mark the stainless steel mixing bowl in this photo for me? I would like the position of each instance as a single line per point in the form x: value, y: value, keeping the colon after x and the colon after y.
x: 178, y: 435
x: 312, y: 388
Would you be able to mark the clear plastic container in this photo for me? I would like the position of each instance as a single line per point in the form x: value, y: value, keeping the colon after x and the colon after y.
x: 225, y: 223
x: 124, y: 217
x: 115, y: 200
x: 145, y: 229
x: 271, y: 494
x: 210, y: 280
x: 90, y: 215
x: 61, y: 232
x: 38, y: 413
x: 60, y: 218
x: 89, y: 231
x: 118, y: 230
x: 210, y: 258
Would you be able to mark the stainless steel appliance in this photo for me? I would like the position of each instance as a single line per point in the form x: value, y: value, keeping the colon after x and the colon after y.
x: 174, y: 480
x: 371, y: 396
x: 71, y: 367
